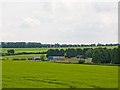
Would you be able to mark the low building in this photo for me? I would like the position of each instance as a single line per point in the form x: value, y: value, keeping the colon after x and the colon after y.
x: 56, y: 57
x: 79, y: 56
x: 36, y: 58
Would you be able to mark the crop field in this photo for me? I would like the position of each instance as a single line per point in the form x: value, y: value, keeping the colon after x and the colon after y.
x: 17, y: 50
x: 31, y: 74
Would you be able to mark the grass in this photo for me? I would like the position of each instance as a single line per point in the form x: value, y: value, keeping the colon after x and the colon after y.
x: 31, y: 74
x: 25, y: 56
x: 17, y: 50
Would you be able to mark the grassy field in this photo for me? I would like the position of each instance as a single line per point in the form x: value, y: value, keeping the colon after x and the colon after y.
x: 17, y: 50
x: 31, y: 74
x: 25, y: 56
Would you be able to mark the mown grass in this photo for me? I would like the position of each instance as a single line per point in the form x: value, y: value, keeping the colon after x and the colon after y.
x: 18, y: 50
x: 31, y: 74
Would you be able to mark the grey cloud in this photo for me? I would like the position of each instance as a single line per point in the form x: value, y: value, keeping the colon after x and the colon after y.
x: 62, y: 22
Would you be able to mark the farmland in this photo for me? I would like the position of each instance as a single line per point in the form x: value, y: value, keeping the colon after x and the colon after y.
x: 25, y: 56
x: 40, y: 74
x: 18, y: 50
x: 31, y: 74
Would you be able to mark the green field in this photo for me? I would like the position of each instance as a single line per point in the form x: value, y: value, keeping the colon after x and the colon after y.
x: 17, y: 50
x: 25, y: 56
x: 31, y: 74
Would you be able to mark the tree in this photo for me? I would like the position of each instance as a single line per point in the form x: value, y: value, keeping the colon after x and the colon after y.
x: 43, y: 57
x: 95, y: 57
x: 79, y: 51
x: 115, y: 55
x: 61, y: 52
x: 11, y: 51
x: 55, y: 52
x: 71, y: 53
x: 84, y: 52
x: 101, y: 55
x: 89, y: 53
x: 50, y: 52
x: 106, y: 53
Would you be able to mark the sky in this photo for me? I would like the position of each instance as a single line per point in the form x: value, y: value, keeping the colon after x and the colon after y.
x: 59, y: 21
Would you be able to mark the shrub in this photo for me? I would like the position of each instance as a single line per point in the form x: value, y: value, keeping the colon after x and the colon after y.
x: 16, y: 59
x: 23, y: 59
x: 43, y: 57
x: 81, y: 61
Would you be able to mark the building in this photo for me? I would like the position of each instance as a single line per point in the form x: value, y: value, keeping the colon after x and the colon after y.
x: 79, y: 56
x: 56, y: 57
x: 34, y: 58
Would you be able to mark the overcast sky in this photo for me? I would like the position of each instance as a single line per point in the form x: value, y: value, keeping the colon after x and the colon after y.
x: 60, y: 21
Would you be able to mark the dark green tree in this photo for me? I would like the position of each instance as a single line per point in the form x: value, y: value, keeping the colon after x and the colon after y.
x: 115, y: 56
x: 84, y: 52
x: 11, y: 51
x: 89, y: 53
x: 61, y: 52
x: 101, y: 55
x: 96, y: 57
x: 79, y: 51
x: 71, y: 53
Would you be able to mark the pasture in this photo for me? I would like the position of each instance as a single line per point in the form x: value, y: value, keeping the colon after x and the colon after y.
x: 31, y: 74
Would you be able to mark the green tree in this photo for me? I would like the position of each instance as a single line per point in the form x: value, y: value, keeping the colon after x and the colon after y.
x: 115, y: 55
x: 43, y: 57
x: 101, y: 55
x: 71, y: 53
x: 79, y: 51
x: 11, y: 51
x: 61, y: 52
x: 89, y: 53
x: 84, y: 52
x: 95, y: 57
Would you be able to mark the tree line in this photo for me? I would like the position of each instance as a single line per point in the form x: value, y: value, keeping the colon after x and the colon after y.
x: 40, y: 45
x: 98, y: 55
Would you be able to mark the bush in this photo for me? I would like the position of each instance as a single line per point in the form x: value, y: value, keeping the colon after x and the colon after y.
x: 81, y: 61
x: 43, y: 57
x: 23, y: 59
x: 16, y: 59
